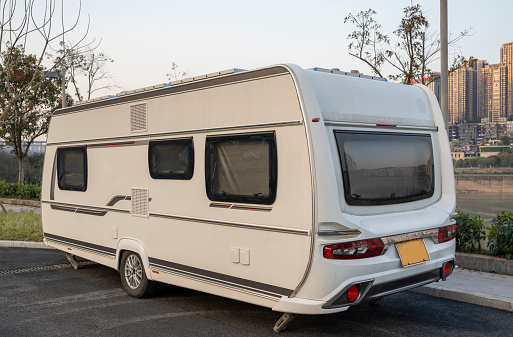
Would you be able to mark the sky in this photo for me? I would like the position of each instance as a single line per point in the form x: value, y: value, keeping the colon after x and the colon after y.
x: 145, y: 37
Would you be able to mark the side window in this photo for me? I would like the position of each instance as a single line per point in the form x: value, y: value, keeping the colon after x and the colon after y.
x: 241, y: 168
x: 72, y: 168
x: 171, y: 159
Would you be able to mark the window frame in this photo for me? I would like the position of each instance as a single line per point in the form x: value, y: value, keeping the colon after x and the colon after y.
x: 268, y: 136
x: 173, y: 176
x: 82, y: 149
x: 380, y: 202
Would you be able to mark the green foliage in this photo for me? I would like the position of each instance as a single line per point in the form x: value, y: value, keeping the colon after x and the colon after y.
x: 503, y: 159
x: 500, y: 238
x: 32, y: 168
x: 21, y: 226
x: 27, y: 99
x: 470, y: 232
x: 497, y: 149
x: 416, y: 46
x: 20, y: 191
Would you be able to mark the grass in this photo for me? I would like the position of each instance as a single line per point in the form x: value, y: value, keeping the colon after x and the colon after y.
x: 21, y: 226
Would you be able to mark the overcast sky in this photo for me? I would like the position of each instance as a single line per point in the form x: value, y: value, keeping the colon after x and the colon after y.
x: 145, y: 37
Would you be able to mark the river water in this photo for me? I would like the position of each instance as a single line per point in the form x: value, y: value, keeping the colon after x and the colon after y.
x: 487, y: 205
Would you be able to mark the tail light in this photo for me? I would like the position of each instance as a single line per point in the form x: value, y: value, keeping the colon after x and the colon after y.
x: 447, y: 233
x: 354, y: 250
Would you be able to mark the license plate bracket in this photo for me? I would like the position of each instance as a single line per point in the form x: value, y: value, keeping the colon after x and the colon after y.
x: 412, y: 252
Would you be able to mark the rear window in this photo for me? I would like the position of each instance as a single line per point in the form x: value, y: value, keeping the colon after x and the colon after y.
x: 385, y: 168
x: 241, y: 168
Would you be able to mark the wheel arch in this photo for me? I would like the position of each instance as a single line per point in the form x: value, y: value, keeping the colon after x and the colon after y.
x: 135, y: 246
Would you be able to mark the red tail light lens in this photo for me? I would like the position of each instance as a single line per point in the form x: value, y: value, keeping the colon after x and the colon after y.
x: 447, y: 233
x: 354, y: 250
x: 352, y: 293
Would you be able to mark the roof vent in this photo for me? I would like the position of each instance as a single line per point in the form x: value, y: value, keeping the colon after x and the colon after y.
x: 138, y: 117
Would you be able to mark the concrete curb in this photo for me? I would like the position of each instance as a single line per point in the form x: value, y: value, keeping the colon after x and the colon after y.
x: 21, y: 202
x: 24, y: 244
x: 463, y: 295
x: 485, y: 263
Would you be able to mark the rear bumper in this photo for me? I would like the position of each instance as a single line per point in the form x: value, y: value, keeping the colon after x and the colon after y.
x: 369, y: 289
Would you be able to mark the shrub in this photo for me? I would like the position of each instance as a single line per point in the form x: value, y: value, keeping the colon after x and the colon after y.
x: 20, y: 191
x: 470, y: 232
x: 500, y: 238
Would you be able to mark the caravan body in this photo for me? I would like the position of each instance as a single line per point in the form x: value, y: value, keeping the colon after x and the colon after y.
x: 305, y: 191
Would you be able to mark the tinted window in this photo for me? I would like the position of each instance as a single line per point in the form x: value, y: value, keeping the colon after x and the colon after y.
x: 241, y: 168
x: 72, y: 168
x: 171, y: 159
x: 385, y: 168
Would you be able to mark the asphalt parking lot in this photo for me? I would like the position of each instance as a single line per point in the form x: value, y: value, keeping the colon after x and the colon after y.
x: 41, y: 295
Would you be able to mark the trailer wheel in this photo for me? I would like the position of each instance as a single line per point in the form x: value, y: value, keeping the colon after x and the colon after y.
x: 133, y: 278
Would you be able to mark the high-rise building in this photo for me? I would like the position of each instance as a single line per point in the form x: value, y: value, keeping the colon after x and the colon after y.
x: 507, y: 61
x: 482, y: 103
x: 463, y: 94
x: 492, y: 92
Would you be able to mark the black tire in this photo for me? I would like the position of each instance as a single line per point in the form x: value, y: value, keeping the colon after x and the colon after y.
x: 133, y: 277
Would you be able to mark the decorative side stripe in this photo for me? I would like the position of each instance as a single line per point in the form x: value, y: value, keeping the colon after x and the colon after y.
x: 117, y: 198
x: 111, y: 144
x: 226, y: 280
x: 82, y: 245
x: 241, y: 207
x: 78, y: 210
x: 100, y: 211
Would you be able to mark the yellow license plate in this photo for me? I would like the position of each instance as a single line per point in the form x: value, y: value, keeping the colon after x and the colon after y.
x: 412, y: 252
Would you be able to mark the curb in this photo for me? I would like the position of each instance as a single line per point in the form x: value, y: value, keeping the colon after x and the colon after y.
x: 24, y: 244
x: 486, y: 300
x: 485, y: 263
x: 21, y: 202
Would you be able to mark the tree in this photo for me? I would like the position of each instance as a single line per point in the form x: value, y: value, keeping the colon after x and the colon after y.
x: 36, y: 21
x: 176, y: 74
x: 367, y: 37
x: 85, y: 62
x: 27, y: 117
x: 505, y: 140
x: 416, y: 47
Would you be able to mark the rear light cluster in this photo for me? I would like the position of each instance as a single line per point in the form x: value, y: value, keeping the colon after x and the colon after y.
x: 354, y: 250
x: 374, y: 247
x: 447, y: 233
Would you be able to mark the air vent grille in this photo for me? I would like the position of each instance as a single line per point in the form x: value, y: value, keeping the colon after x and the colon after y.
x: 140, y: 205
x: 138, y: 118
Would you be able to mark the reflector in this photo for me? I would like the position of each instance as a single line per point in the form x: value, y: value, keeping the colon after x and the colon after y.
x: 352, y: 293
x: 447, y: 269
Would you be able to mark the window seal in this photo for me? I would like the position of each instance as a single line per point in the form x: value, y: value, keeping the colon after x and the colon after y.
x: 173, y: 176
x: 270, y: 137
x: 83, y: 149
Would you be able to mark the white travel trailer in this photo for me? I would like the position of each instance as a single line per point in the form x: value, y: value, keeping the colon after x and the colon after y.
x: 305, y: 191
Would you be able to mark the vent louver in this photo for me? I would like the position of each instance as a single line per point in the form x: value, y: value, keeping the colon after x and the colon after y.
x: 138, y: 118
x: 140, y: 205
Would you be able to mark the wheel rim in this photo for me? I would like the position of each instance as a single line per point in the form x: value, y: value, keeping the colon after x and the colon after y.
x: 133, y: 271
